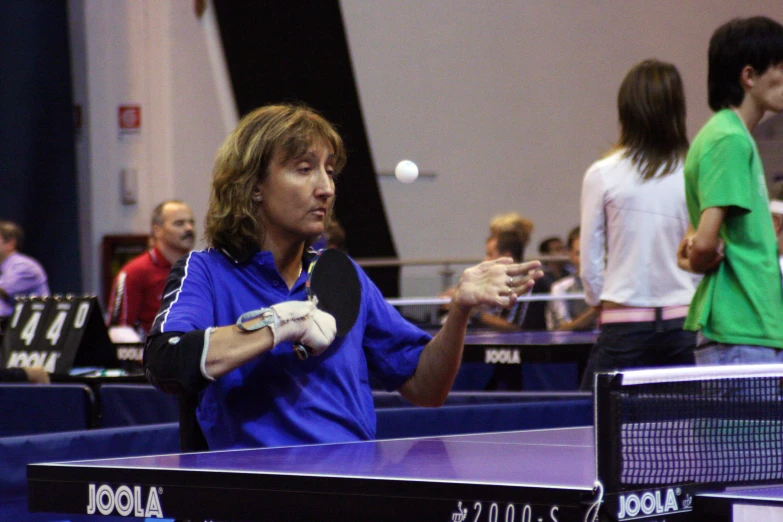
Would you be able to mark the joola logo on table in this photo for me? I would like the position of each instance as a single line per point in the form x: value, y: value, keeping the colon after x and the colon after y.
x: 125, y: 501
x: 655, y: 502
x: 27, y: 359
x: 502, y: 356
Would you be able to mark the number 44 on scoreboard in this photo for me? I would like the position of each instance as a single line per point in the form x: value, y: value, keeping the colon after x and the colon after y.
x: 56, y: 332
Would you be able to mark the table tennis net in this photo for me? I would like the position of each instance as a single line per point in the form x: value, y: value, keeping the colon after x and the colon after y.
x: 698, y: 426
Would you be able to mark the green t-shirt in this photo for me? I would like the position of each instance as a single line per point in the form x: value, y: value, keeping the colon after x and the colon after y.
x: 740, y: 302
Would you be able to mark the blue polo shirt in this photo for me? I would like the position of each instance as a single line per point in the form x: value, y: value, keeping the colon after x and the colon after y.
x: 276, y: 399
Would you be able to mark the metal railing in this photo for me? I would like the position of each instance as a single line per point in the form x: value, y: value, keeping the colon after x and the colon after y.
x: 446, y: 271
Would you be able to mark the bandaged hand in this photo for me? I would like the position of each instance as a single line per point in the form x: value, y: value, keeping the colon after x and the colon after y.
x: 301, y: 322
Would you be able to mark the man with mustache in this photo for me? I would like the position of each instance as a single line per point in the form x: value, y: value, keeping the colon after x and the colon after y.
x: 138, y: 288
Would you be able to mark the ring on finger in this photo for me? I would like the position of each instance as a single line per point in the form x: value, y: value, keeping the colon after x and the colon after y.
x: 509, y: 281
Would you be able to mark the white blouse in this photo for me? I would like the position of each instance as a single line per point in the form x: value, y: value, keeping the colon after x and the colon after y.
x: 630, y: 231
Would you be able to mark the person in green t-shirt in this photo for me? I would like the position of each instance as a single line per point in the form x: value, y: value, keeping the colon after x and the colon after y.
x: 738, y: 306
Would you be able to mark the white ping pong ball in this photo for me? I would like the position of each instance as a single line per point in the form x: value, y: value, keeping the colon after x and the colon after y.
x: 406, y: 171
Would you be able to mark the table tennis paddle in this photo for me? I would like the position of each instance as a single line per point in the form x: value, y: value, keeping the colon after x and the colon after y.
x: 333, y: 285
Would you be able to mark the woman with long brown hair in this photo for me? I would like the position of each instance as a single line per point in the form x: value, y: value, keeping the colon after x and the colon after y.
x: 633, y: 217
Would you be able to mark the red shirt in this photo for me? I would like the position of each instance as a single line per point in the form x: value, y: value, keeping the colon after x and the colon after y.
x: 137, y: 291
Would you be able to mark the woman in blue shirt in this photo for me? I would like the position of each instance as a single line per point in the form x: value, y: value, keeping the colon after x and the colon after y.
x: 272, y: 193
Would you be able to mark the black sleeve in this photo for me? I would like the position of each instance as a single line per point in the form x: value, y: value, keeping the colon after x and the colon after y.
x: 172, y: 362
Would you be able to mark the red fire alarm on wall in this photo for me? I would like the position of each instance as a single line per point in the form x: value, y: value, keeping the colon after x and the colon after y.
x: 129, y: 117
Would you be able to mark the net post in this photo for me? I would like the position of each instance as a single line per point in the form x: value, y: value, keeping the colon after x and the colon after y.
x: 607, y: 430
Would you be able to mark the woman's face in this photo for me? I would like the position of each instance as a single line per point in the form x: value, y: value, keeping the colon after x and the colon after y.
x: 297, y: 194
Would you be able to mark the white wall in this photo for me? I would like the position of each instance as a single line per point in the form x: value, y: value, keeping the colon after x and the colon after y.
x: 154, y: 54
x: 769, y: 137
x: 509, y: 102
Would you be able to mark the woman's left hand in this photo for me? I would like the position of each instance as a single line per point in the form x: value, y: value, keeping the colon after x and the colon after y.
x: 495, y: 283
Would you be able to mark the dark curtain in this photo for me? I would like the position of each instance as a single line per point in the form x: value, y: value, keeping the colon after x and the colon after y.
x: 297, y: 51
x: 37, y: 154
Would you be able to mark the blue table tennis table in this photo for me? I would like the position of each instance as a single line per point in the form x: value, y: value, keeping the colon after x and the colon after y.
x: 669, y: 444
x: 528, y: 475
x: 742, y: 504
x: 524, y: 476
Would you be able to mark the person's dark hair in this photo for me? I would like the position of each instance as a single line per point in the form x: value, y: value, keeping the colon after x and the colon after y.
x: 10, y: 230
x: 651, y: 108
x: 545, y: 246
x: 756, y: 41
x: 509, y: 243
x: 157, y: 212
x: 243, y: 161
x: 573, y: 236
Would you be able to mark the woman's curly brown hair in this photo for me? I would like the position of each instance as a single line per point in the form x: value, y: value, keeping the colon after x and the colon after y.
x: 243, y: 161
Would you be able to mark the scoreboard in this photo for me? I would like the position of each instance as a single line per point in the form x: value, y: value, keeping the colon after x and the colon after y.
x: 58, y: 333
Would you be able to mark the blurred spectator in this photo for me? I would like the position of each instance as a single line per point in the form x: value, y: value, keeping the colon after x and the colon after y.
x: 138, y: 287
x: 34, y: 375
x: 334, y: 234
x: 19, y: 274
x: 512, y: 222
x: 570, y: 314
x: 553, y: 246
x: 505, y: 244
x: 535, y: 316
